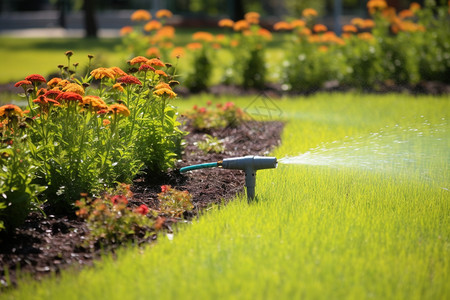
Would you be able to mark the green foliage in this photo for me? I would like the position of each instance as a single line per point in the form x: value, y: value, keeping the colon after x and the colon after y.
x: 18, y: 193
x: 174, y: 203
x: 211, y: 144
x: 111, y: 221
x: 201, y: 69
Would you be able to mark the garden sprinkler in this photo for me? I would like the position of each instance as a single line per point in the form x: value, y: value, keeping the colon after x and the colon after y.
x: 249, y: 164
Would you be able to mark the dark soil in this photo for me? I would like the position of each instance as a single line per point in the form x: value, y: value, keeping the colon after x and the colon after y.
x: 47, y: 245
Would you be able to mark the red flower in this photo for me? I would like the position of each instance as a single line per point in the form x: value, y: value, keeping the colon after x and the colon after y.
x: 22, y: 82
x: 129, y: 79
x: 119, y: 199
x: 145, y: 67
x: 35, y: 78
x: 42, y: 100
x: 165, y: 188
x: 142, y: 209
x: 69, y: 96
x: 52, y: 94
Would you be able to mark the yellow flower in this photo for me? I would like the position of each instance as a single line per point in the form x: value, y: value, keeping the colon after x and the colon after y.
x: 93, y: 102
x: 141, y: 15
x: 165, y: 91
x: 226, y: 23
x: 74, y: 88
x: 61, y: 84
x: 101, y: 72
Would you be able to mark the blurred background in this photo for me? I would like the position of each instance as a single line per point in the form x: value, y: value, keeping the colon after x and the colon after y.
x: 91, y: 17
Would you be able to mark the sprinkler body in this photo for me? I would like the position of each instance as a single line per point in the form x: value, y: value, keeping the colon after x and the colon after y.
x: 249, y: 164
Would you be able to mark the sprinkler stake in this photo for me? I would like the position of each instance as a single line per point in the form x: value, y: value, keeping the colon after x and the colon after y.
x: 249, y: 164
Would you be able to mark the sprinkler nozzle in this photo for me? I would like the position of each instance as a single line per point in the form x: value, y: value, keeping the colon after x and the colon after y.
x: 249, y: 164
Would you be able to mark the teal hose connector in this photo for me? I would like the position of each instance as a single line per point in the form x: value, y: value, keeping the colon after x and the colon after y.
x: 249, y: 164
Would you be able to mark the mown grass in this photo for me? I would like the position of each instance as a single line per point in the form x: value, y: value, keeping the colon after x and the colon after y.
x: 316, y: 232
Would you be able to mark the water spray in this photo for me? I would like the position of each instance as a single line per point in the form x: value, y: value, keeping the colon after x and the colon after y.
x: 249, y: 164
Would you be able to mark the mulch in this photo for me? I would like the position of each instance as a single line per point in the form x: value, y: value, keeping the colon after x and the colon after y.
x: 46, y: 245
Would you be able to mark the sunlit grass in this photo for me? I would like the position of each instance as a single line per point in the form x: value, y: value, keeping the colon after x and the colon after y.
x: 316, y: 232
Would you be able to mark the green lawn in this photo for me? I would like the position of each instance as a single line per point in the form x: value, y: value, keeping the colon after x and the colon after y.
x: 317, y: 232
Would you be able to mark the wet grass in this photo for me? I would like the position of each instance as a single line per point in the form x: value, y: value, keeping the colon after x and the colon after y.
x: 315, y: 233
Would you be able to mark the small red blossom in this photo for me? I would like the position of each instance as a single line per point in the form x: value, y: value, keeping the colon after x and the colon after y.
x: 22, y: 82
x: 146, y: 67
x: 69, y: 96
x: 35, y: 78
x: 129, y: 79
x: 165, y: 188
x: 119, y: 199
x: 142, y: 209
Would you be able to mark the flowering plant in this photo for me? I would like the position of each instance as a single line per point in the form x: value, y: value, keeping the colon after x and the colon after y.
x: 174, y: 203
x: 220, y: 116
x: 110, y: 220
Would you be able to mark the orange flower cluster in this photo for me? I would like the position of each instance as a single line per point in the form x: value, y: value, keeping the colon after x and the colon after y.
x: 118, y: 110
x: 164, y: 13
x: 141, y: 15
x: 226, y: 23
x: 309, y: 12
x: 203, y: 36
x: 376, y: 5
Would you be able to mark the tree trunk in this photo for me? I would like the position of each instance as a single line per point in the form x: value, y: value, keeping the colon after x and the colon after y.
x: 90, y: 22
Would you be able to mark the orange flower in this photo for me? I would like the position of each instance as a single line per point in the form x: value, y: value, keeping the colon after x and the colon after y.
x: 166, y: 32
x: 165, y: 92
x: 106, y: 122
x: 234, y: 43
x: 305, y: 31
x: 265, y: 34
x: 357, y: 21
x: 367, y: 36
x: 323, y: 49
x: 252, y: 17
x: 161, y: 73
x: 320, y: 28
x: 118, y: 86
x: 118, y: 109
x: 141, y: 15
x: 309, y: 12
x: 282, y: 25
x: 152, y: 25
x: 226, y: 23
x: 368, y: 23
x: 153, y: 52
x: 23, y: 82
x: 93, y: 102
x: 129, y: 79
x: 414, y: 6
x: 164, y: 13
x: 314, y: 38
x: 155, y: 62
x: 35, y: 78
x: 406, y: 13
x: 63, y: 83
x: 53, y: 82
x: 349, y: 28
x: 101, y: 72
x: 241, y: 25
x: 194, y: 46
x: 52, y: 94
x: 177, y: 52
x: 203, y: 36
x: 298, y: 23
x: 162, y: 85
x: 117, y: 72
x: 126, y: 30
x: 10, y: 110
x: 376, y: 5
x: 138, y: 60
